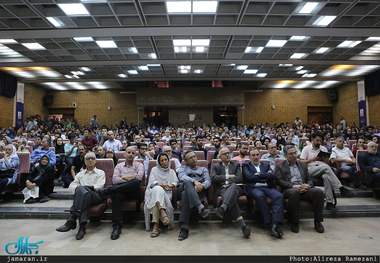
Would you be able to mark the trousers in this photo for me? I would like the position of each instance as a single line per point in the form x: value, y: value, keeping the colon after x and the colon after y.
x: 330, y: 181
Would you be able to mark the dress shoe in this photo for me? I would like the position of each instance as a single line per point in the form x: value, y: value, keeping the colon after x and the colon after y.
x: 331, y: 207
x: 81, y: 232
x: 205, y: 212
x: 272, y: 228
x: 219, y: 212
x: 280, y: 233
x: 67, y: 226
x: 116, y: 232
x: 319, y: 227
x: 246, y: 231
x: 295, y: 228
x: 183, y: 234
x: 102, y: 192
x: 31, y: 200
x: 44, y: 199
x: 346, y: 193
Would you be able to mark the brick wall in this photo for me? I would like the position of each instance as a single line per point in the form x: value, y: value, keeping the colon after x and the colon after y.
x: 289, y: 103
x: 347, y: 104
x: 181, y: 115
x: 190, y: 96
x: 96, y: 102
x: 373, y: 110
x: 6, y: 112
x: 34, y: 101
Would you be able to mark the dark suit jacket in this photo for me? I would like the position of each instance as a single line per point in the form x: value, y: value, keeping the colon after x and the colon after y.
x: 218, y: 176
x: 283, y: 175
x: 266, y: 175
x: 366, y: 164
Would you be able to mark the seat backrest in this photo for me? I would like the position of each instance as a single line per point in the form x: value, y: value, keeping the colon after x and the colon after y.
x: 174, y: 155
x: 353, y: 146
x: 52, y: 148
x: 29, y: 148
x: 2, y: 155
x: 237, y: 140
x: 350, y: 143
x: 235, y: 153
x: 186, y: 147
x: 210, y: 156
x: 200, y: 155
x: 120, y: 155
x: 120, y: 161
x: 30, y: 143
x: 231, y: 148
x: 208, y: 148
x: 276, y: 161
x: 271, y: 136
x: 262, y: 152
x: 107, y: 166
x: 357, y: 155
x: 160, y: 144
x: 24, y: 162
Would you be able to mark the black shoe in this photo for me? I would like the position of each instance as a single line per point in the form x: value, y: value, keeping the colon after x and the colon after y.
x: 246, y: 231
x: 102, y: 192
x: 183, y: 234
x: 280, y: 233
x: 31, y: 200
x: 319, y: 227
x: 67, y: 226
x: 116, y: 232
x: 65, y: 185
x: 81, y: 232
x: 331, y: 207
x: 295, y: 228
x: 272, y: 228
x: 205, y: 212
x: 44, y: 199
x: 346, y: 193
x: 219, y: 212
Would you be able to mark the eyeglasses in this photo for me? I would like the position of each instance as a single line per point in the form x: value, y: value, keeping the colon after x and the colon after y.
x: 90, y: 158
x: 144, y: 149
x: 225, y: 154
x: 168, y: 151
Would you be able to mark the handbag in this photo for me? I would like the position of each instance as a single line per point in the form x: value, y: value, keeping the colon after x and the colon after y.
x: 7, y: 173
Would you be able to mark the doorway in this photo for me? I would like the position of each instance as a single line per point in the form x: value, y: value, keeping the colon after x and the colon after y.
x: 226, y: 115
x: 319, y: 114
x: 158, y: 116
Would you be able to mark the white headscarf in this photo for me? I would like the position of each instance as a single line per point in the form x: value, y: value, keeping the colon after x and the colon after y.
x: 14, y: 152
x: 162, y: 174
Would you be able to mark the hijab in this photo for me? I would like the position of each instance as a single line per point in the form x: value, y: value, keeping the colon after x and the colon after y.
x: 14, y: 152
x: 59, y: 148
x: 280, y: 142
x: 43, y: 167
x: 162, y: 174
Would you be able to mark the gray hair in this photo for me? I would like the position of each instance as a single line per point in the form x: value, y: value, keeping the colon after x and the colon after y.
x: 223, y: 148
x: 288, y: 147
x: 371, y: 142
x: 47, y: 138
x: 340, y: 137
x: 85, y: 157
x: 186, y: 153
x: 24, y: 141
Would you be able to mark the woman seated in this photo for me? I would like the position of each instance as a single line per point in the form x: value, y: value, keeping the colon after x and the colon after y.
x: 60, y: 155
x: 43, y: 177
x: 8, y: 167
x: 158, y: 195
x: 111, y: 154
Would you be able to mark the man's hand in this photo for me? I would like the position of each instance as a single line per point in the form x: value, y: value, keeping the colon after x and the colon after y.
x: 21, y: 148
x: 375, y: 170
x: 315, y: 159
x: 326, y: 160
x: 148, y: 155
x: 198, y: 186
x: 126, y: 178
x: 304, y: 188
x: 231, y: 176
x: 298, y: 187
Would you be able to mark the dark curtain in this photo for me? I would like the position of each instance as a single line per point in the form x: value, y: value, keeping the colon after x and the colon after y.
x: 372, y: 84
x: 8, y: 85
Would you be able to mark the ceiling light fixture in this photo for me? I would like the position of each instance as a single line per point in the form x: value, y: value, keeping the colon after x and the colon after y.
x: 85, y: 69
x: 133, y: 72
x: 298, y: 38
x: 308, y: 8
x: 143, y: 68
x: 8, y: 41
x: 198, y: 71
x: 242, y: 67
x: 54, y: 21
x: 122, y: 75
x: 298, y: 55
x: 106, y: 44
x: 321, y: 50
x: 276, y: 43
x: 368, y: 39
x: 33, y: 46
x: 74, y: 9
x: 250, y: 71
x: 205, y: 6
x: 324, y: 20
x: 178, y: 6
x: 83, y: 39
x: 200, y: 42
x: 181, y: 42
x: 348, y: 44
x: 261, y: 75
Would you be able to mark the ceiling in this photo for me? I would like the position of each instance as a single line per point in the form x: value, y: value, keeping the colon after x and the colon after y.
x: 153, y: 41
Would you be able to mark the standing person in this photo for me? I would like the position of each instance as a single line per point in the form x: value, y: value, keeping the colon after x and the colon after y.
x: 10, y: 164
x: 94, y: 122
x: 293, y: 177
x: 85, y: 187
x: 297, y: 121
x: 343, y: 122
x: 225, y: 177
x: 158, y: 195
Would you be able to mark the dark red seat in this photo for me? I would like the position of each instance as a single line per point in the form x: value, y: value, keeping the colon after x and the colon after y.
x: 22, y: 172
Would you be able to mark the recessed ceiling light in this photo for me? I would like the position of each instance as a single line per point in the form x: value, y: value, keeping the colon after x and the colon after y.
x: 153, y: 65
x: 8, y: 41
x: 78, y: 73
x: 368, y: 39
x: 198, y: 71
x: 181, y: 42
x: 122, y: 75
x: 250, y: 71
x: 54, y: 21
x: 152, y: 55
x: 178, y: 6
x: 242, y: 67
x: 184, y: 71
x: 143, y: 68
x: 133, y: 72
x: 205, y: 6
x: 321, y: 50
x: 324, y: 20
x: 298, y: 55
x: 185, y: 67
x: 261, y: 75
x: 199, y: 49
x: 74, y: 9
x: 83, y: 39
x: 106, y: 44
x: 247, y: 49
x: 68, y: 76
x: 308, y: 8
x: 285, y: 65
x: 181, y: 49
x: 200, y: 42
x: 311, y: 75
x: 76, y: 76
x: 301, y: 71
x: 85, y: 69
x: 259, y: 49
x: 133, y: 50
x: 348, y: 44
x: 276, y: 43
x: 298, y: 38
x: 299, y: 68
x: 33, y: 46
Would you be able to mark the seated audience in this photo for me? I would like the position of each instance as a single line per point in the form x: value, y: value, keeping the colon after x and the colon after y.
x: 8, y: 167
x: 101, y: 153
x: 112, y: 143
x: 359, y: 146
x: 89, y: 141
x: 71, y: 149
x: 144, y: 155
x: 272, y: 154
x: 168, y: 150
x: 77, y: 166
x: 158, y: 195
x: 45, y: 150
x: 21, y: 146
x: 198, y: 146
x: 243, y: 153
x: 370, y: 162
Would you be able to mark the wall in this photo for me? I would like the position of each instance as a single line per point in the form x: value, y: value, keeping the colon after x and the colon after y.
x: 373, y: 110
x: 347, y: 104
x: 96, y: 102
x: 34, y: 101
x: 289, y: 103
x: 196, y: 96
x: 181, y: 115
x: 6, y: 112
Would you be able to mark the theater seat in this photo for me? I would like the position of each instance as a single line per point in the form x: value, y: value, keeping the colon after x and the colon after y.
x: 22, y: 174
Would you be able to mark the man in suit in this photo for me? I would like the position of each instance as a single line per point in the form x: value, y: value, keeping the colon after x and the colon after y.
x: 293, y: 177
x: 225, y: 177
x: 370, y: 162
x: 259, y: 185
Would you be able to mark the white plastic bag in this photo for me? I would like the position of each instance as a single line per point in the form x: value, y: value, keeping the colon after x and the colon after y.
x: 31, y: 193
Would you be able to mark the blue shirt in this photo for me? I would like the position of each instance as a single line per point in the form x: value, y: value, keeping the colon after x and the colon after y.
x: 68, y: 147
x: 38, y: 153
x: 9, y: 164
